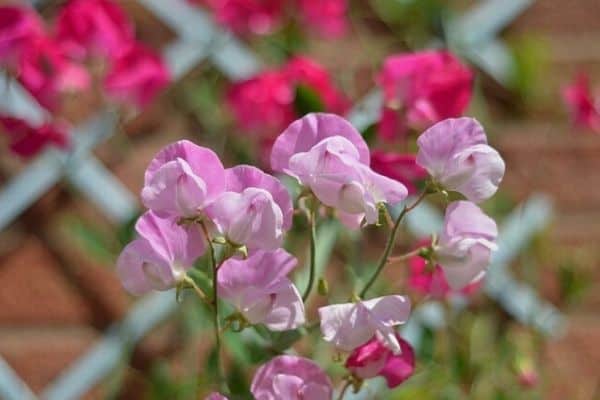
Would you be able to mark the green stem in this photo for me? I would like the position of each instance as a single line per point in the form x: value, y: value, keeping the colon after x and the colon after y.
x: 344, y: 389
x: 391, y: 242
x: 215, y: 304
x: 313, y: 253
x: 198, y: 291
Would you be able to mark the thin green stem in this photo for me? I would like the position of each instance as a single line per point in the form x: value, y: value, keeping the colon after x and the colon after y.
x: 198, y: 291
x: 406, y: 256
x: 344, y: 389
x: 391, y: 242
x: 215, y: 303
x: 313, y: 253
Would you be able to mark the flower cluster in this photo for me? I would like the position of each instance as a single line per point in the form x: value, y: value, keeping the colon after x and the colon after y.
x: 582, y: 106
x: 52, y: 61
x: 196, y: 204
x: 260, y: 17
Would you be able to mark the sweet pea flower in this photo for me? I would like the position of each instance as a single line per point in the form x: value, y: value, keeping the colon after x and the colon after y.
x: 259, y: 289
x: 182, y: 180
x: 375, y: 359
x: 291, y: 378
x: 18, y: 26
x: 400, y: 167
x: 465, y: 244
x: 215, y: 396
x: 27, y: 140
x: 45, y: 71
x: 327, y: 17
x: 93, y: 26
x: 456, y: 155
x: 258, y: 17
x: 581, y: 104
x: 350, y: 325
x: 159, y: 258
x: 136, y: 76
x: 326, y: 154
x: 425, y: 88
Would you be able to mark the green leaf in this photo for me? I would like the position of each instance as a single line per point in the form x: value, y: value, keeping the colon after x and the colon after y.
x: 307, y: 100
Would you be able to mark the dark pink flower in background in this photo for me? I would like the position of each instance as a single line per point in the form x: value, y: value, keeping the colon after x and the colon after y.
x: 327, y: 17
x: 581, y: 104
x: 264, y: 104
x: 45, y: 71
x: 18, y: 26
x: 421, y: 89
x: 136, y: 76
x: 93, y: 26
x: 375, y: 359
x: 258, y: 17
x: 398, y: 166
x: 304, y: 71
x: 27, y: 141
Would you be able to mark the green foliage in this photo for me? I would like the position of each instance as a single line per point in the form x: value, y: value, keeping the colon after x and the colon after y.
x: 306, y: 100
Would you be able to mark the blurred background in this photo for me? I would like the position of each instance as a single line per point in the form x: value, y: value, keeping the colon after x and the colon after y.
x: 69, y: 330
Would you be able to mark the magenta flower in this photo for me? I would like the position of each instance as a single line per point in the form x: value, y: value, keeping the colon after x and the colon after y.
x: 375, y: 359
x: 326, y: 154
x: 27, y: 141
x: 182, y: 180
x: 581, y: 104
x: 44, y: 70
x: 421, y: 89
x: 349, y: 325
x: 259, y: 289
x: 456, y: 155
x: 258, y: 17
x: 159, y: 258
x: 291, y: 378
x: 93, y: 26
x: 137, y: 75
x: 254, y: 210
x: 400, y: 167
x: 327, y: 17
x: 465, y: 244
x: 19, y: 25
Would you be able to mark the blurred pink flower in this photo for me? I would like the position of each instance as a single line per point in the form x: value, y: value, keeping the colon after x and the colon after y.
x: 258, y: 17
x: 215, y: 396
x: 291, y: 378
x: 466, y: 243
x: 421, y: 89
x: 93, y: 26
x: 45, y: 71
x: 27, y: 141
x: 581, y: 104
x: 327, y: 17
x: 264, y: 104
x: 259, y: 288
x: 349, y: 325
x: 375, y: 359
x: 18, y: 26
x: 182, y: 180
x: 456, y: 155
x: 398, y: 166
x: 136, y: 76
x: 159, y: 258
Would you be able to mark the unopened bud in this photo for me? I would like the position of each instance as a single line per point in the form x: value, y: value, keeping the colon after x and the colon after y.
x: 323, y: 287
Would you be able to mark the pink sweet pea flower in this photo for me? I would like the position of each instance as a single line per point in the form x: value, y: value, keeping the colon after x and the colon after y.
x: 465, y: 244
x: 456, y: 155
x: 327, y: 17
x: 350, y: 325
x: 44, y: 70
x: 259, y: 289
x: 27, y: 141
x: 401, y: 167
x: 425, y: 88
x: 215, y: 396
x: 182, y: 180
x: 137, y: 75
x: 159, y: 258
x: 291, y: 378
x: 18, y: 26
x: 93, y: 26
x: 258, y: 17
x: 375, y: 359
x: 307, y: 72
x: 582, y: 106
x: 326, y: 154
